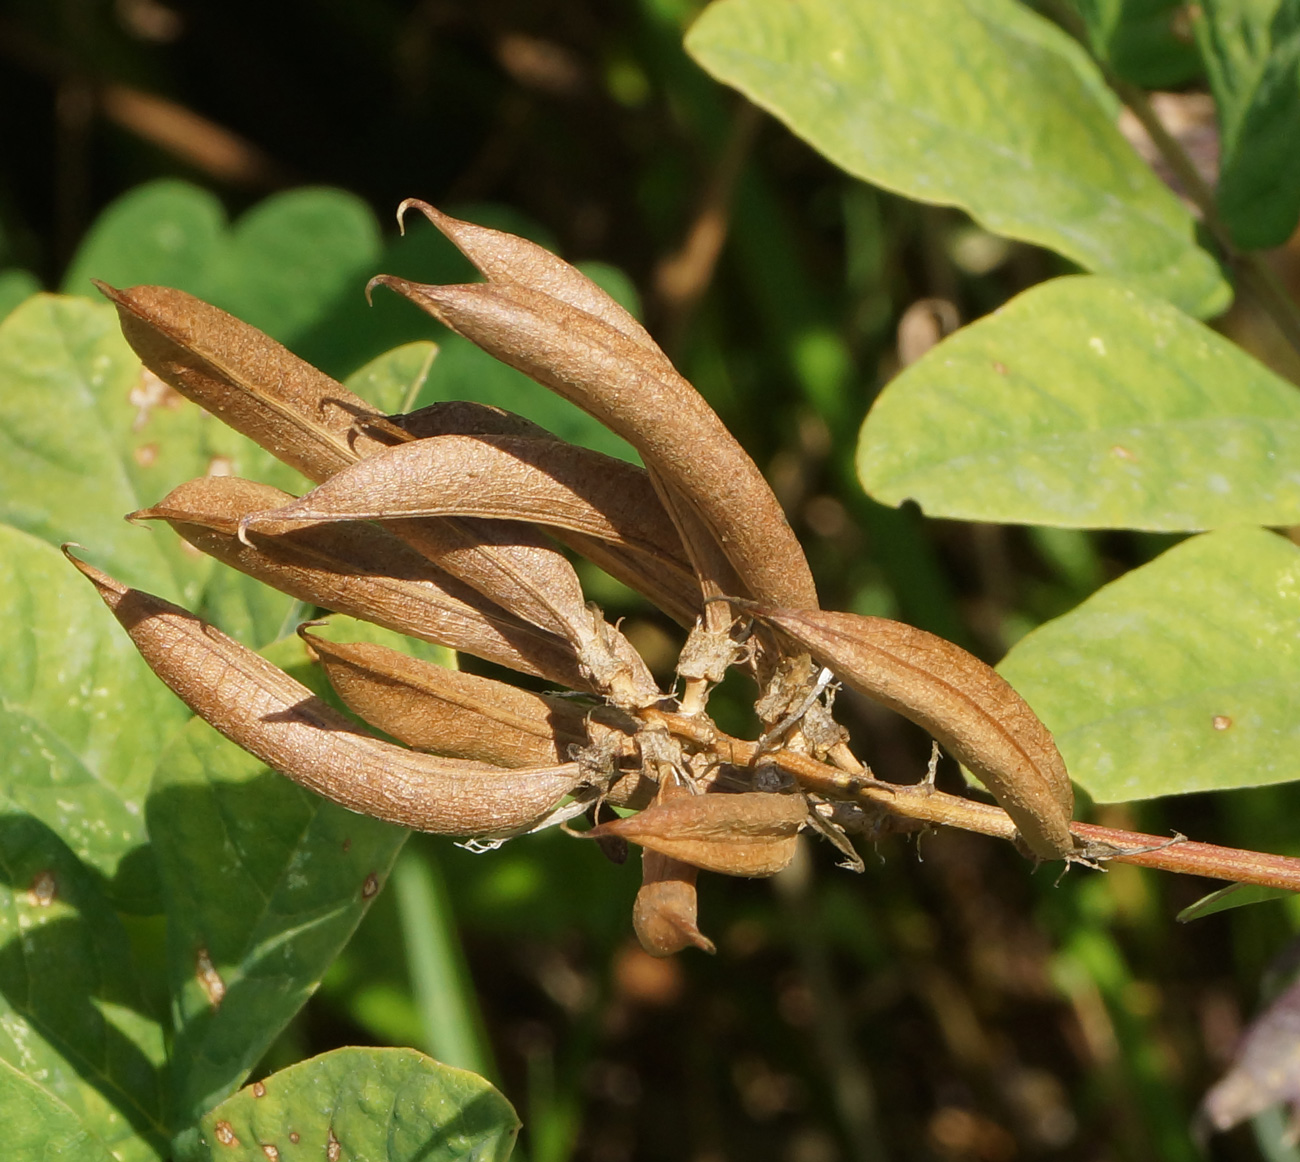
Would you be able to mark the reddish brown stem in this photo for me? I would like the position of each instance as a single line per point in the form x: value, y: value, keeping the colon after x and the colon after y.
x: 1183, y: 856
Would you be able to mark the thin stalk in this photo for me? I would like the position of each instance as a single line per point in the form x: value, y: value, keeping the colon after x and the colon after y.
x: 1264, y: 283
x: 938, y: 808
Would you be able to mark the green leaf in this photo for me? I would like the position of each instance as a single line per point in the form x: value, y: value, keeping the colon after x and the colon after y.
x: 986, y: 106
x: 1180, y: 676
x: 392, y: 381
x: 1089, y: 404
x: 1251, y: 50
x: 72, y: 1017
x: 294, y: 258
x: 82, y: 719
x: 38, y: 1127
x: 1233, y: 896
x: 263, y: 884
x: 16, y: 287
x: 378, y: 1105
x: 1146, y: 42
x: 166, y: 232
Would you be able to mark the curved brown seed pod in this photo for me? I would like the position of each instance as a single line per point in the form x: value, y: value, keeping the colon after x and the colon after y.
x: 245, y: 378
x: 260, y: 708
x: 449, y: 712
x: 748, y: 834
x: 309, y: 421
x: 360, y: 569
x: 507, y: 258
x: 968, y: 706
x: 542, y: 481
x: 664, y: 915
x: 640, y: 397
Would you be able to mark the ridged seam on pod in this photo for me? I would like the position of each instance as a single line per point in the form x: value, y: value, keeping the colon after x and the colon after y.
x: 972, y: 711
x: 260, y: 708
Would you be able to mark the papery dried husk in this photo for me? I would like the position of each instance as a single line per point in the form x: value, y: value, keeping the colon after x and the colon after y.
x: 965, y: 704
x: 316, y: 425
x: 452, y: 713
x: 260, y: 708
x: 636, y: 394
x: 245, y: 378
x: 523, y: 478
x: 361, y: 570
x: 748, y: 834
x: 664, y: 915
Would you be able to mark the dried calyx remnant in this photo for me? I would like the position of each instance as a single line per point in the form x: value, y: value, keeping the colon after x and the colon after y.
x: 443, y: 524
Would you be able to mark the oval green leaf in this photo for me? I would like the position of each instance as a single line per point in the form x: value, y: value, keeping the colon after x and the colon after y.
x: 380, y: 1105
x: 984, y: 106
x: 1181, y: 676
x: 1087, y: 403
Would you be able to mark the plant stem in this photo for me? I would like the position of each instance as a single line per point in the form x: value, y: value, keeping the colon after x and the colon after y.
x: 1264, y: 283
x: 938, y: 808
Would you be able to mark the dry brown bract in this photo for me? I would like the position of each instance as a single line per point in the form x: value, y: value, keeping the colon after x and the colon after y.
x: 439, y: 524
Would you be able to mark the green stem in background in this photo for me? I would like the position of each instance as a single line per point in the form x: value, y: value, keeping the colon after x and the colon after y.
x: 450, y: 1025
x: 1262, y: 280
x: 845, y: 1071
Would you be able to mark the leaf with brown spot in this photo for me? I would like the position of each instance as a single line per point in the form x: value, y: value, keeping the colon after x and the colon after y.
x: 966, y: 705
x: 749, y: 834
x: 260, y: 708
x: 636, y: 394
x: 361, y: 570
x: 540, y: 480
x: 449, y: 712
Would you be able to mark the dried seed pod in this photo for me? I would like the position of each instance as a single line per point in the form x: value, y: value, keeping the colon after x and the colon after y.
x: 507, y: 258
x: 540, y: 480
x: 749, y: 834
x: 635, y: 393
x: 968, y: 706
x: 260, y: 708
x: 245, y: 378
x: 449, y: 712
x: 664, y: 915
x: 360, y: 569
x: 309, y: 421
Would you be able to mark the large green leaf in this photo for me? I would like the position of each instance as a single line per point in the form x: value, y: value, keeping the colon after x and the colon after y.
x: 1183, y: 675
x: 38, y: 1127
x: 167, y: 232
x: 82, y: 719
x: 263, y: 884
x: 293, y: 258
x: 1087, y: 403
x: 72, y: 1018
x: 376, y: 1105
x: 1252, y: 55
x: 981, y: 104
x: 16, y: 286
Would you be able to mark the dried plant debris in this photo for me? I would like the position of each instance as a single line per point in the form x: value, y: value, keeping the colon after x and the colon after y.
x: 1264, y: 1073
x: 442, y: 524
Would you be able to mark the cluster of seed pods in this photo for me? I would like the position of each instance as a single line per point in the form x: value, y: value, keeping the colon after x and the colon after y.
x: 446, y: 524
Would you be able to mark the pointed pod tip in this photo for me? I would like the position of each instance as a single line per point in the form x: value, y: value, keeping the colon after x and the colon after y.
x: 109, y: 292
x: 109, y: 589
x: 434, y: 216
